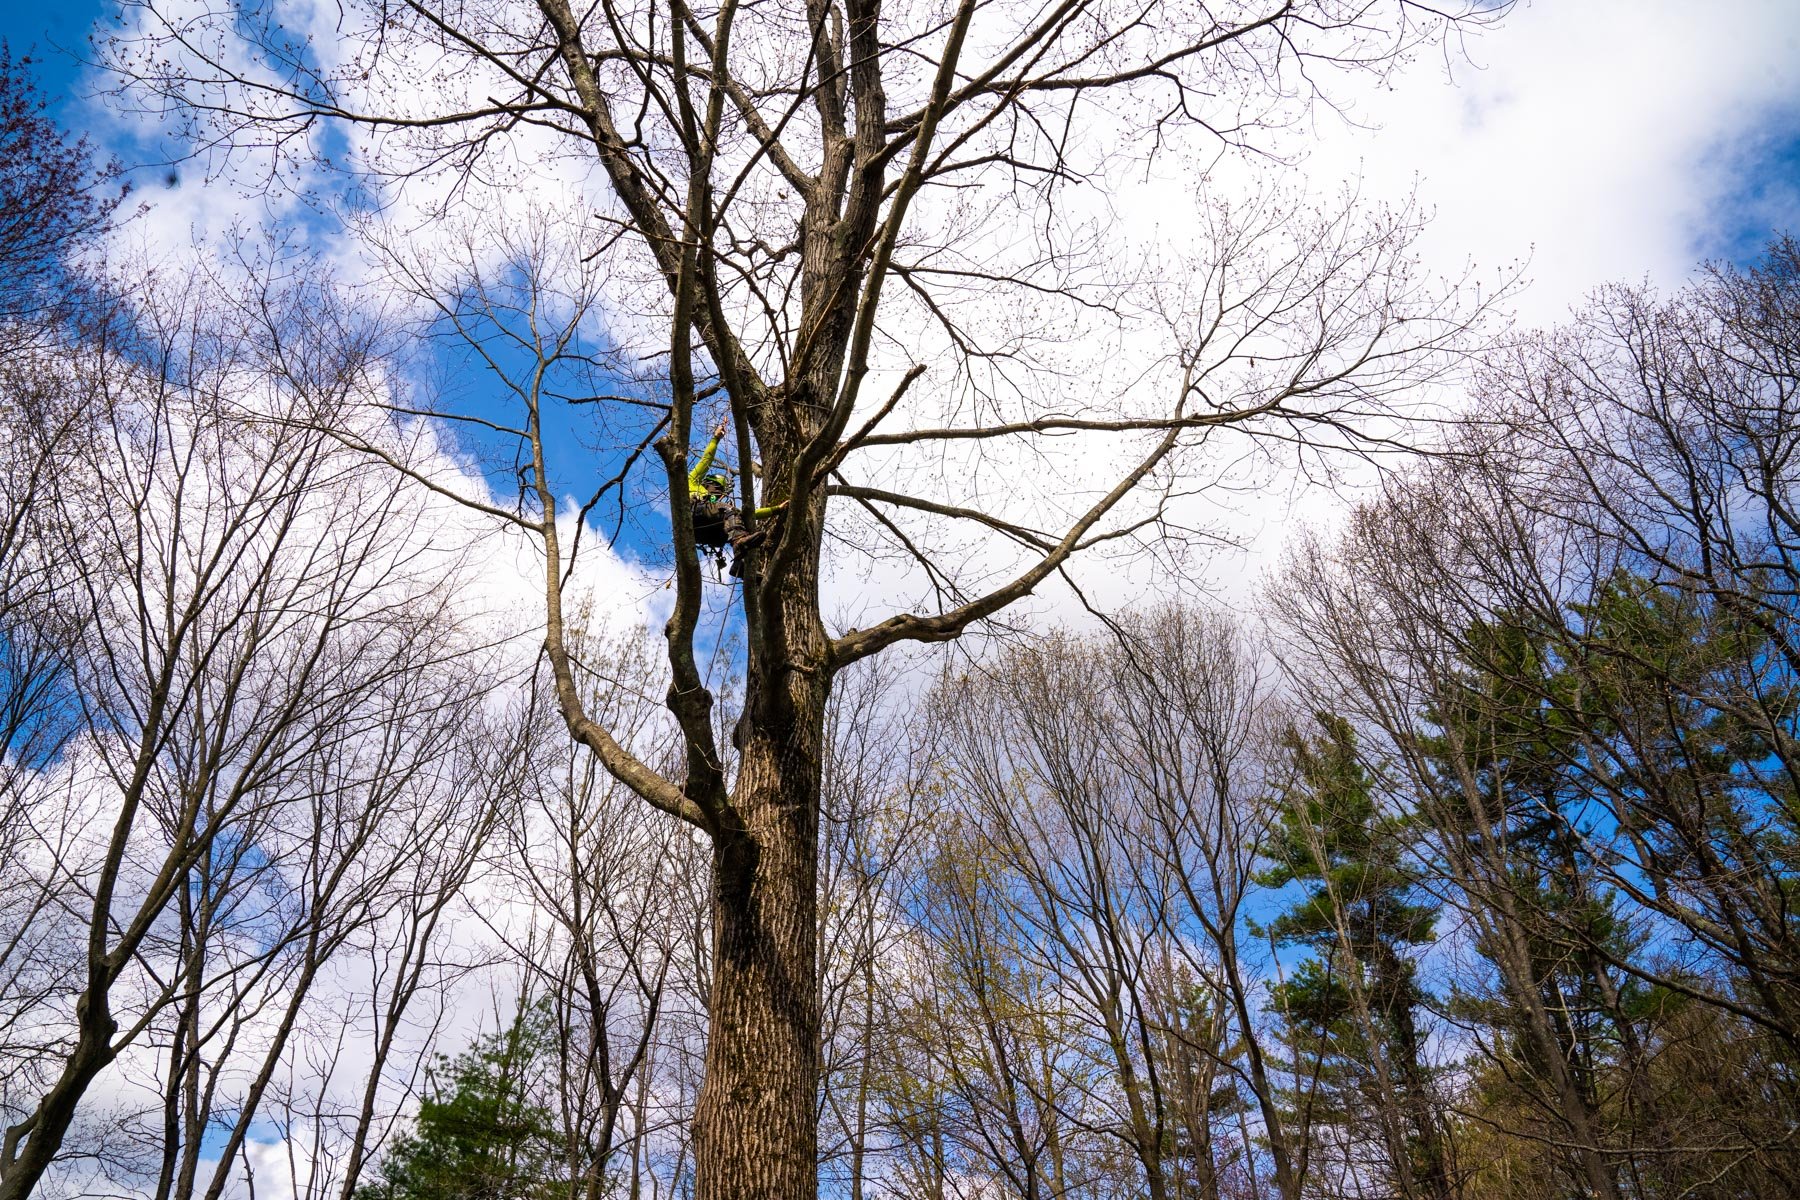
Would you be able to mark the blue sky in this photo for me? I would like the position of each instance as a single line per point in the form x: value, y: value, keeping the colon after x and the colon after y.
x: 42, y: 27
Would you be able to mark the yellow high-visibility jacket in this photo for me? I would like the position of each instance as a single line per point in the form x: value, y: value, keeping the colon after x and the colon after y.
x: 696, y: 486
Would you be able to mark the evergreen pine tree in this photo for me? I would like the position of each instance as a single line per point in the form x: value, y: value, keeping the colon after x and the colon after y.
x: 1352, y: 1008
x: 480, y: 1134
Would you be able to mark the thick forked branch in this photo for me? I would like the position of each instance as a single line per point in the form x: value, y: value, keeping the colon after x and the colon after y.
x: 689, y: 698
x: 619, y: 762
x: 880, y: 256
x: 943, y: 627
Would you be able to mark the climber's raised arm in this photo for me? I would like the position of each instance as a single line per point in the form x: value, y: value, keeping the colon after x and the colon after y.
x: 695, y: 486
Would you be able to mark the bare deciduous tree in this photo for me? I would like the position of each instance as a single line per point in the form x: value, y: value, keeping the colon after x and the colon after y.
x: 803, y: 204
x: 264, y: 667
x: 1117, y: 784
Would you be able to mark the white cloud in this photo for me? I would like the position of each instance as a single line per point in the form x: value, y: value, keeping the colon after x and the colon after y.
x: 1603, y: 139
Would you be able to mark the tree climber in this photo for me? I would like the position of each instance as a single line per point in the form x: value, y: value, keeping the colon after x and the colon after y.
x: 717, y: 521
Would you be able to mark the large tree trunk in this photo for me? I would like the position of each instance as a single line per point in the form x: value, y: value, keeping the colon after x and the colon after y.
x: 756, y: 1123
x: 755, y: 1130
